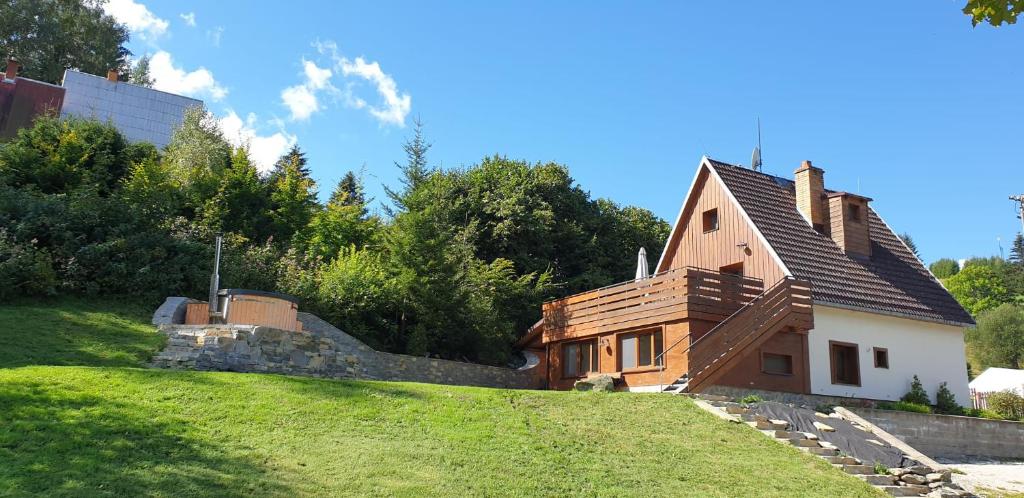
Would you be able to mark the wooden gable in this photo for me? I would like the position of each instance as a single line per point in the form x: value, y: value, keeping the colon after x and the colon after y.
x: 732, y: 240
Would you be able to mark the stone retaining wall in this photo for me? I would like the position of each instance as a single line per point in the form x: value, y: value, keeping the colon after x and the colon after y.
x: 947, y: 436
x: 320, y: 350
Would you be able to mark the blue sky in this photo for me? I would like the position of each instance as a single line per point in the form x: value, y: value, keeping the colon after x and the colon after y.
x: 904, y: 102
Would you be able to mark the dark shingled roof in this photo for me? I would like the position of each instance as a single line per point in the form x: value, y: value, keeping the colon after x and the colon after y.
x: 892, y: 281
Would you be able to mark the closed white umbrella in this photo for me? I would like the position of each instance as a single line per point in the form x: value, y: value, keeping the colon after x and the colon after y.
x: 641, y: 265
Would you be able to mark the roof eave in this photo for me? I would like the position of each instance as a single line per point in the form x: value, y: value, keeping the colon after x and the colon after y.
x: 895, y: 314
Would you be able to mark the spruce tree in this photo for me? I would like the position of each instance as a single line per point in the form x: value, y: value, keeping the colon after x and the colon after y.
x: 1017, y: 250
x: 909, y: 241
x: 414, y: 171
x: 349, y: 191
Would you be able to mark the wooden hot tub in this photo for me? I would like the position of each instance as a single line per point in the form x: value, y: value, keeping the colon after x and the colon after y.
x: 249, y: 307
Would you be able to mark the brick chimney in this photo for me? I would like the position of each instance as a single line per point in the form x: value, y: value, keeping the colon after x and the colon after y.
x: 112, y: 75
x: 12, y: 69
x: 810, y: 193
x: 848, y: 217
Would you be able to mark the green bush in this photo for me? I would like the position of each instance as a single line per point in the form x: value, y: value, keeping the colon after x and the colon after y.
x: 25, y: 269
x: 989, y: 414
x: 945, y: 401
x: 904, y: 406
x: 751, y: 398
x: 917, y: 394
x: 1007, y: 404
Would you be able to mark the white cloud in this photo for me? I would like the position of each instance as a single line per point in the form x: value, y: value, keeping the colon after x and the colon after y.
x: 317, y: 78
x: 264, y: 150
x: 300, y: 101
x: 137, y: 17
x: 303, y: 100
x: 197, y: 83
x: 396, y: 107
x: 190, y: 19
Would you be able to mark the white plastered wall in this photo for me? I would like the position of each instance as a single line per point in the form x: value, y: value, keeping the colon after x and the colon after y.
x: 932, y: 351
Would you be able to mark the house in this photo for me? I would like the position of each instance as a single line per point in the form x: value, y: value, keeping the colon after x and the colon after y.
x: 23, y: 99
x: 141, y: 114
x: 768, y: 283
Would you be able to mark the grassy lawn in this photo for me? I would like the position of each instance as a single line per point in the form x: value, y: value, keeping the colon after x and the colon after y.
x: 113, y: 430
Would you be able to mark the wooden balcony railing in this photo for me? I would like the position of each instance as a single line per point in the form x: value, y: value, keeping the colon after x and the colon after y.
x: 667, y: 296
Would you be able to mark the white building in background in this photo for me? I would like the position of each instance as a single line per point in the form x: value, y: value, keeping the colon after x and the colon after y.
x: 999, y: 379
x: 140, y: 113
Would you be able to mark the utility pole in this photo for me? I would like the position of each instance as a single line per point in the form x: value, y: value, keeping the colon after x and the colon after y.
x: 1019, y: 199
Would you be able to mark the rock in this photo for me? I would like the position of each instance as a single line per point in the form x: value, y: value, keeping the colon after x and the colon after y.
x: 933, y: 477
x: 921, y: 470
x: 875, y: 442
x: 835, y: 415
x: 900, y: 491
x: 935, y: 485
x: 823, y: 427
x: 898, y: 471
x: 821, y: 415
x: 595, y: 383
x: 913, y: 479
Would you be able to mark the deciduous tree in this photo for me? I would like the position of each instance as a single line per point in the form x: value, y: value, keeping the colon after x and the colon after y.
x: 49, y: 36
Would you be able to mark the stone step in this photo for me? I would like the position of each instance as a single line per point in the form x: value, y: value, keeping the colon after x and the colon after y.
x: 878, y: 479
x: 909, y: 490
x: 753, y: 417
x: 826, y: 452
x: 838, y: 460
x: 760, y: 425
x: 714, y: 397
x: 804, y: 443
x: 736, y: 410
x: 859, y: 469
x: 779, y: 425
x: 787, y: 435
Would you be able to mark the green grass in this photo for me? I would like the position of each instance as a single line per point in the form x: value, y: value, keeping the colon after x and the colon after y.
x: 125, y: 431
x: 113, y: 333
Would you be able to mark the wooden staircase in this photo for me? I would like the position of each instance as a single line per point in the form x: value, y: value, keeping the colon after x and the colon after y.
x: 785, y: 305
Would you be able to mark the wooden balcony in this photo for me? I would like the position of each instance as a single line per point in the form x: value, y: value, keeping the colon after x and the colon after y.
x: 668, y: 296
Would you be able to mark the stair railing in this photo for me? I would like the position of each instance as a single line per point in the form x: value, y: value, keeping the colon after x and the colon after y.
x: 660, y: 359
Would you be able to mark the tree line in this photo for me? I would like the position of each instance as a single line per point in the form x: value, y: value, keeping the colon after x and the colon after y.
x: 992, y: 290
x: 456, y: 264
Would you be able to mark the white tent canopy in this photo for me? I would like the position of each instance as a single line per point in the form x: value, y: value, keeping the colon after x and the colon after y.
x: 998, y: 379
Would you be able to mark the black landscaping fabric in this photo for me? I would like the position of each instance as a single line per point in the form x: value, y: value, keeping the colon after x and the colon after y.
x: 850, y: 440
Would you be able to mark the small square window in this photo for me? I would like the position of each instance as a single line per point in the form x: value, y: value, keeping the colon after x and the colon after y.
x: 777, y: 364
x: 881, y: 358
x: 711, y: 220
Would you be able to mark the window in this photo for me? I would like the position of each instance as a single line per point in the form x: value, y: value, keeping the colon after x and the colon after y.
x: 640, y: 350
x: 853, y: 212
x: 845, y: 366
x: 711, y: 220
x: 777, y: 364
x: 579, y: 358
x: 881, y: 358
